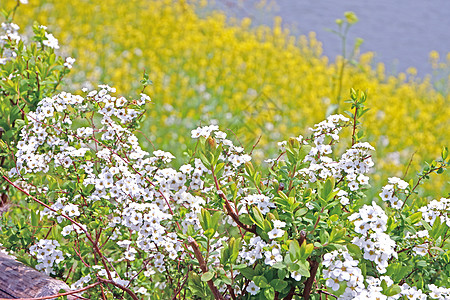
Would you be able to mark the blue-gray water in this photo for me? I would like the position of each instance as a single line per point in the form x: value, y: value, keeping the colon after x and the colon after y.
x: 402, y: 33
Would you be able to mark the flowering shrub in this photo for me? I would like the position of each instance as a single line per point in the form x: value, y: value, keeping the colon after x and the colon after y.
x: 118, y: 222
x: 219, y: 226
x: 256, y: 81
x: 28, y: 73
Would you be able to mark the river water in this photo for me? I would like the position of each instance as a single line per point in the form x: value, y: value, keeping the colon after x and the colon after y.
x: 402, y: 33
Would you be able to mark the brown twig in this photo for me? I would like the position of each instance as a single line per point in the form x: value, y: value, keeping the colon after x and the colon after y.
x: 309, y: 282
x: 327, y: 293
x: 204, y: 268
x: 291, y: 293
x: 229, y: 209
x: 125, y: 289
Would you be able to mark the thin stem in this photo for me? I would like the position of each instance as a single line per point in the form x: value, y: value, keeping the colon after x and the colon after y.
x: 204, y: 268
x: 125, y: 289
x: 228, y: 207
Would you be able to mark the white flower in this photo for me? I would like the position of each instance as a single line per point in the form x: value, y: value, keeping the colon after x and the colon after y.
x: 69, y: 62
x: 296, y: 275
x: 278, y: 224
x: 275, y: 233
x: 272, y: 257
x: 421, y: 250
x: 51, y: 41
x: 252, y: 288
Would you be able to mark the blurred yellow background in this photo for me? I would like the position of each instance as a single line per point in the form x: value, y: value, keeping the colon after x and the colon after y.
x: 254, y: 81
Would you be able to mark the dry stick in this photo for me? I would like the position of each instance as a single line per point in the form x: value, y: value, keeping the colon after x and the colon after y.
x: 204, y: 268
x: 59, y: 295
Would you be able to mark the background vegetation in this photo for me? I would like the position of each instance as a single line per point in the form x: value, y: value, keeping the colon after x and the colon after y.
x: 255, y: 81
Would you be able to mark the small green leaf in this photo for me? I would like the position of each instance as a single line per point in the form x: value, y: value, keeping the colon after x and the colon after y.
x: 207, y: 276
x: 34, y: 218
x: 294, y: 250
x: 414, y: 218
x: 278, y: 284
x: 303, y: 268
x: 248, y: 273
x: 393, y: 290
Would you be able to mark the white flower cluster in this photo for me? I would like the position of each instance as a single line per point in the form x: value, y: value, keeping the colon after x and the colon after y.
x: 46, y: 254
x: 276, y: 232
x: 341, y: 270
x: 440, y: 293
x: 389, y: 191
x: 10, y: 35
x: 253, y: 250
x: 235, y: 155
x: 353, y: 164
x: 412, y: 292
x: 142, y: 204
x: 252, y: 288
x: 377, y: 246
x: 114, y: 276
x: 437, y: 208
x: 50, y: 41
x: 374, y: 289
x: 356, y: 162
x: 261, y: 201
x: 258, y: 249
x: 80, y: 282
x: 329, y: 127
x: 320, y: 162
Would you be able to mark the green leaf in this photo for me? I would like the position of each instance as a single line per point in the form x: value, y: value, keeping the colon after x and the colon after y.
x: 34, y: 218
x: 278, y: 284
x: 234, y: 246
x: 303, y: 268
x: 248, y: 273
x: 301, y: 212
x: 261, y: 281
x: 205, y: 220
x: 328, y: 187
x: 414, y: 218
x: 444, y: 153
x: 337, y: 234
x: 282, y: 273
x: 218, y: 168
x: 426, y: 225
x: 393, y: 290
x: 268, y: 294
x: 355, y: 250
x: 209, y: 233
x: 294, y: 250
x: 304, y: 150
x: 207, y: 276
x: 215, y: 220
x: 258, y: 217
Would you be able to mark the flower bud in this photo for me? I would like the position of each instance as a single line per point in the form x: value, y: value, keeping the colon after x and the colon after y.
x: 211, y: 144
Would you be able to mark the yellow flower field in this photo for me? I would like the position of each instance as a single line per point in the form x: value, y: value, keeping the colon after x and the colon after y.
x: 254, y: 81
